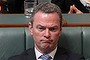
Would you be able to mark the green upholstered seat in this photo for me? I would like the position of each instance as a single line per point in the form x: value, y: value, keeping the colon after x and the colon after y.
x: 13, y: 19
x: 29, y: 39
x: 11, y: 42
x: 86, y: 42
x: 71, y: 39
x: 77, y: 18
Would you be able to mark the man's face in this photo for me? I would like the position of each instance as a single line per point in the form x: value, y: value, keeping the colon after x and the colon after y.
x: 45, y: 31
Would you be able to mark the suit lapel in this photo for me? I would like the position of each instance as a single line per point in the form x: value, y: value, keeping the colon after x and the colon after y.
x: 61, y: 54
x: 31, y: 55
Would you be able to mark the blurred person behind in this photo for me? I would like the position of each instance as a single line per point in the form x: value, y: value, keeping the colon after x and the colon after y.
x: 0, y: 6
x: 15, y: 6
x: 3, y: 6
x: 73, y: 6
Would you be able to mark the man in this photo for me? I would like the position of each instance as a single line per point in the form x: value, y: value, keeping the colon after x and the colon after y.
x: 73, y: 6
x: 46, y: 27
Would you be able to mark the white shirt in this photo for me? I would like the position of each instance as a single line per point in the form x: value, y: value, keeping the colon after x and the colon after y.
x: 85, y: 2
x: 52, y: 54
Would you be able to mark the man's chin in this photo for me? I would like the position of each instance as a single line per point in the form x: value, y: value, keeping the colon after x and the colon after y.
x: 46, y: 50
x: 46, y: 47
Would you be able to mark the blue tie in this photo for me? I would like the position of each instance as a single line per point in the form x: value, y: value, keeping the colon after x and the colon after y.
x: 45, y: 57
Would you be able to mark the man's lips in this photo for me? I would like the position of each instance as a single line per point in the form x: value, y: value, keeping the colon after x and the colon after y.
x: 46, y: 41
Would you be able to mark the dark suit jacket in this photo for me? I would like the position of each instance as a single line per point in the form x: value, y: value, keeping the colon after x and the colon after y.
x: 61, y: 54
x: 65, y: 5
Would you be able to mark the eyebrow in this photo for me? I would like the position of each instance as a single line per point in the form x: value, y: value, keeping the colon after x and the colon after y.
x: 46, y: 26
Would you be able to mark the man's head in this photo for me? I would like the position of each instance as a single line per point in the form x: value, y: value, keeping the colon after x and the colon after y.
x: 46, y: 26
x: 47, y: 8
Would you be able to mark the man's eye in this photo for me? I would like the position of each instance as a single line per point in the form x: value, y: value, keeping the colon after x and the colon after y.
x: 53, y: 29
x: 41, y: 28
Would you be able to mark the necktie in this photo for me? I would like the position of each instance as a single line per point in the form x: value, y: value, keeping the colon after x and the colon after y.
x: 45, y: 57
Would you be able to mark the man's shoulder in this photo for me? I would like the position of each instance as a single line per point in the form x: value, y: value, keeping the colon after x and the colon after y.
x: 26, y: 52
x: 68, y: 55
x: 23, y: 55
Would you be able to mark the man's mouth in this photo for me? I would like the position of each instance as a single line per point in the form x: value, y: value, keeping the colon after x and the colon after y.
x: 46, y: 41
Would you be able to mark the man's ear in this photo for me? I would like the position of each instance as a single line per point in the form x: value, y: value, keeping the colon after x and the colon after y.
x: 31, y: 28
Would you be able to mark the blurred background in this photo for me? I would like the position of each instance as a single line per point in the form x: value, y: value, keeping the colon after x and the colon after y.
x: 15, y: 6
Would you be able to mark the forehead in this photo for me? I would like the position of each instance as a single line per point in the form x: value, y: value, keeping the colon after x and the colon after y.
x: 46, y: 18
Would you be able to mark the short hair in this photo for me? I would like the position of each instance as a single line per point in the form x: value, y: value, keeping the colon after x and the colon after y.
x: 47, y: 7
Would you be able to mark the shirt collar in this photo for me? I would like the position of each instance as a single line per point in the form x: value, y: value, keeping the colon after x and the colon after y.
x: 52, y: 54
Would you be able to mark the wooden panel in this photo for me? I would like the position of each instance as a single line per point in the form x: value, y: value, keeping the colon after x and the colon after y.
x: 13, y: 25
x: 26, y: 25
x: 76, y: 25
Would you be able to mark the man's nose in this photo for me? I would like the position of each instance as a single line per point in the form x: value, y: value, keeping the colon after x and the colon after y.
x: 47, y: 33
